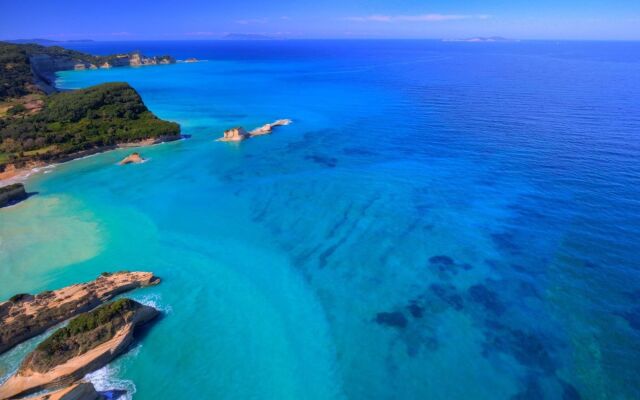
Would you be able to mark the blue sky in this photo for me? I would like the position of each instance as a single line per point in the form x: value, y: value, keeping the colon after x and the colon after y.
x: 199, y: 19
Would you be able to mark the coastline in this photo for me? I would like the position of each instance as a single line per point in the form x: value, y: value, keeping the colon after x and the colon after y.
x: 14, y: 174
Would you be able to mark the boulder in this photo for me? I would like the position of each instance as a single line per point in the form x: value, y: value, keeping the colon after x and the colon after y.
x: 12, y: 194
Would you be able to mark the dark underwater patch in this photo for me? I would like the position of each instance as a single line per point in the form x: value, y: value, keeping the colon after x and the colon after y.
x: 569, y: 392
x: 448, y: 294
x: 444, y: 260
x: 632, y: 317
x: 531, y: 391
x: 394, y: 319
x: 487, y: 298
x: 355, y: 151
x: 415, y: 309
x: 505, y: 242
x: 527, y: 348
x: 327, y: 161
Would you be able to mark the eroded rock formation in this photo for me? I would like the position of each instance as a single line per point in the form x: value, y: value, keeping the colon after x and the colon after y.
x: 87, y: 343
x: 133, y: 158
x: 25, y: 316
x: 238, y: 134
x: 12, y: 194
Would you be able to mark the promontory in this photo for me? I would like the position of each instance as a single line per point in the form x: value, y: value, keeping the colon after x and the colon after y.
x: 25, y: 316
x: 40, y: 126
x: 87, y: 343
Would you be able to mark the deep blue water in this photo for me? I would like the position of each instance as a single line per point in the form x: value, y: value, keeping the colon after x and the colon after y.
x: 441, y: 221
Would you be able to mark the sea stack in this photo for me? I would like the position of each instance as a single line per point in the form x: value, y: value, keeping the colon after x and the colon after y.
x: 12, y: 194
x: 25, y: 316
x: 133, y: 158
x: 268, y: 128
x: 87, y: 343
x: 237, y: 134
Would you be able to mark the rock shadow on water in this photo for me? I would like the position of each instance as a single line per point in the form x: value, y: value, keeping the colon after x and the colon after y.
x: 113, y: 394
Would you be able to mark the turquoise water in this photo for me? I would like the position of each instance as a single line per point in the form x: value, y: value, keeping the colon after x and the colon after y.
x: 301, y: 265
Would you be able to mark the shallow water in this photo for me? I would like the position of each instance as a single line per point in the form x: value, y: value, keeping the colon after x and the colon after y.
x: 301, y: 264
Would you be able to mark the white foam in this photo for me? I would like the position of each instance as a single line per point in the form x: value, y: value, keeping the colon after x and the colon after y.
x: 155, y: 301
x: 106, y: 378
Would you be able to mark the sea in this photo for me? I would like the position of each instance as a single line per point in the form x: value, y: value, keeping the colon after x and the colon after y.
x: 442, y: 220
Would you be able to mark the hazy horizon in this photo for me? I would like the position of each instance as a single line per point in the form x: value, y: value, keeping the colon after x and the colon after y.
x: 360, y: 19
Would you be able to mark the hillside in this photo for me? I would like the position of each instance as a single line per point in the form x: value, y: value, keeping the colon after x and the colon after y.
x: 30, y: 68
x: 80, y: 120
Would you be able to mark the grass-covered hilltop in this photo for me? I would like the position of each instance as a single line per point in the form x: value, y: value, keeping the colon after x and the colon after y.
x: 37, y: 124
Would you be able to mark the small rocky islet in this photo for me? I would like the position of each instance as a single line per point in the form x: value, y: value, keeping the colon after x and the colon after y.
x: 239, y: 134
x: 133, y: 158
x: 100, y: 330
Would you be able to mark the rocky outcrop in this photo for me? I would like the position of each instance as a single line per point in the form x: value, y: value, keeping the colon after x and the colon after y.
x: 12, y: 194
x: 88, y: 343
x: 238, y: 134
x: 268, y: 128
x: 77, y: 391
x: 25, y: 316
x: 133, y: 158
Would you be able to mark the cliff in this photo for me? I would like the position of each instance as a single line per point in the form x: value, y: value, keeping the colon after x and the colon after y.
x: 31, y: 68
x: 25, y: 316
x: 87, y: 343
x: 12, y: 194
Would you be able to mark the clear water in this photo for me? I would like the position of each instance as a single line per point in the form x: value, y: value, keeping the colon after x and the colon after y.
x: 297, y: 265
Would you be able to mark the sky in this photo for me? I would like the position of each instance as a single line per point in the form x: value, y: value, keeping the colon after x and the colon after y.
x: 434, y: 19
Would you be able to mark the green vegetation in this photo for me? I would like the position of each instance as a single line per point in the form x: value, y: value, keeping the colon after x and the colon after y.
x: 19, y: 297
x: 70, y: 122
x: 82, y: 334
x: 15, y: 72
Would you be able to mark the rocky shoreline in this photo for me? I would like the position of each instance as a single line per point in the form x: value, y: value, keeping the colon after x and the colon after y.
x: 25, y: 316
x: 89, y: 342
x: 13, y: 173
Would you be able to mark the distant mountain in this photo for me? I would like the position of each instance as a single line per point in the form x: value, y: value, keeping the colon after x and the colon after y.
x: 47, y: 42
x: 481, y: 39
x: 247, y: 36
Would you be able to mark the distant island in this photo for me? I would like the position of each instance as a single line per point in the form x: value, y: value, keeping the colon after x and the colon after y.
x: 247, y: 36
x: 481, y: 39
x: 48, y: 42
x: 38, y: 125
